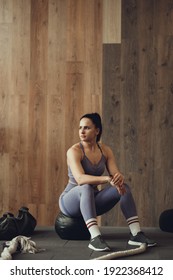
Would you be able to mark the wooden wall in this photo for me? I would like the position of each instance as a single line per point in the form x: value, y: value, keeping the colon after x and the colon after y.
x: 51, y: 74
x: 62, y: 58
x: 137, y: 106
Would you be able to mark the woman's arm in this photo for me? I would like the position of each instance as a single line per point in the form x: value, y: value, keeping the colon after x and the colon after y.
x: 74, y: 161
x: 117, y: 177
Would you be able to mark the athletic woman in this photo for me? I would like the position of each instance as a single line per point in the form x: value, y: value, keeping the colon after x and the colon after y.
x: 87, y: 161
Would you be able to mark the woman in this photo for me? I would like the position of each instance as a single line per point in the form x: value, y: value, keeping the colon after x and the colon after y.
x: 86, y: 162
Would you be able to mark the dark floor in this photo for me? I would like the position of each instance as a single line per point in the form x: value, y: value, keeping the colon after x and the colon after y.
x: 59, y: 249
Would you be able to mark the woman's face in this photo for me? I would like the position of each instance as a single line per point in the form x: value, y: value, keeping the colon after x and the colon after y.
x: 87, y: 130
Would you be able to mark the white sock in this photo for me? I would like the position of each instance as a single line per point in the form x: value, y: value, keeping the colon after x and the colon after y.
x: 93, y: 227
x: 134, y: 225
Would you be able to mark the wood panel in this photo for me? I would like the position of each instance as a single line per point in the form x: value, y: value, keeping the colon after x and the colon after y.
x: 37, y: 124
x: 20, y: 53
x: 75, y: 30
x: 5, y: 77
x: 6, y: 8
x: 112, y: 111
x: 56, y: 125
x: 111, y: 21
x: 93, y: 53
x: 18, y: 150
x: 51, y: 65
x: 39, y: 40
x: 147, y: 80
x: 61, y: 59
x: 145, y: 118
x: 164, y: 102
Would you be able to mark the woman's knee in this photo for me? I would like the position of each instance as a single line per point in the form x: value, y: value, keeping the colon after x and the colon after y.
x: 128, y: 196
x: 127, y: 187
x: 86, y: 189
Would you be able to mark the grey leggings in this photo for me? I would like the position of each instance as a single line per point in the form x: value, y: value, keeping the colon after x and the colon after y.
x: 83, y: 200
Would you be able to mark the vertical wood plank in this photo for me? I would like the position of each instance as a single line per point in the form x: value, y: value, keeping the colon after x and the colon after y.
x: 112, y: 111
x: 6, y: 9
x: 37, y: 143
x: 165, y: 11
x: 147, y: 79
x: 129, y: 88
x: 93, y: 56
x: 5, y: 59
x: 37, y: 133
x: 74, y: 101
x: 4, y: 139
x: 112, y: 96
x: 129, y: 19
x: 55, y: 155
x: 39, y: 39
x: 56, y: 125
x: 75, y: 30
x: 20, y: 68
x: 111, y: 21
x: 18, y: 151
x: 57, y: 38
x: 4, y: 182
x: 5, y: 79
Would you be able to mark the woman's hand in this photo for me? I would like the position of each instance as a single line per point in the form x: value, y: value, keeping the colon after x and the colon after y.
x: 117, y: 179
x: 121, y: 189
x: 118, y: 182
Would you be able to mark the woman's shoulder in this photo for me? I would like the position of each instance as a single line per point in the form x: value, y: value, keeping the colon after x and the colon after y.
x: 75, y: 150
x: 105, y: 148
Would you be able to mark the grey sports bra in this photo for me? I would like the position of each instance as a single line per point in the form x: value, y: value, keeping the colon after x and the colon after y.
x: 89, y: 167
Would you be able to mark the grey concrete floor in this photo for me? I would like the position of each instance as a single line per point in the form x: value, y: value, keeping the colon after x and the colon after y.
x: 56, y: 248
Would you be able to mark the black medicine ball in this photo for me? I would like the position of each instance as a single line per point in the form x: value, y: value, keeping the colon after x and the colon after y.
x: 166, y: 220
x: 71, y: 228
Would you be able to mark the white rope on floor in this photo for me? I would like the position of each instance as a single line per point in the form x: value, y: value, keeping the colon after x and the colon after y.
x: 114, y: 255
x: 25, y: 244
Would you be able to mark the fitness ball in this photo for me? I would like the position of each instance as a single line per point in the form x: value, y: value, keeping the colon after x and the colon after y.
x: 166, y: 220
x: 71, y: 228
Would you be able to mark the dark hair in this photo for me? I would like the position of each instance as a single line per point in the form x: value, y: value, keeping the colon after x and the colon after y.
x: 96, y: 119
